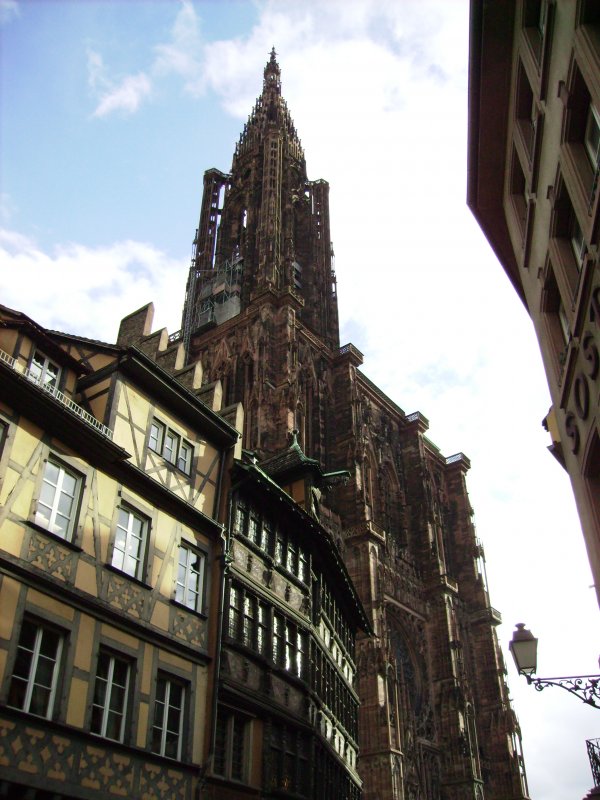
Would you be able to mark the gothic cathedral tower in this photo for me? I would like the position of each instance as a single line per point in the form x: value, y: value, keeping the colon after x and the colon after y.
x: 260, y: 314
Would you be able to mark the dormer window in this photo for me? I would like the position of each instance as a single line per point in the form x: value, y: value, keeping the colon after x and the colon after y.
x: 43, y: 371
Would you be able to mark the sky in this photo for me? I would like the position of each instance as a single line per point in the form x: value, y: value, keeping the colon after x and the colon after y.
x: 109, y: 114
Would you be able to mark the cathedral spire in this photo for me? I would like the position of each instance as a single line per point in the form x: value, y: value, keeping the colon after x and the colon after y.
x: 264, y: 226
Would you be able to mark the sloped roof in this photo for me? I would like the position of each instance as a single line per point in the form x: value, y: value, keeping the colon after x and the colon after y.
x: 293, y: 461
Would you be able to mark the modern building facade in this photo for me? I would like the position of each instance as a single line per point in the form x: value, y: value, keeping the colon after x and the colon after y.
x: 260, y: 316
x: 534, y: 163
x: 110, y: 565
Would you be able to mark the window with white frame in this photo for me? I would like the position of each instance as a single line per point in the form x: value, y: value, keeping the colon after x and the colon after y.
x: 35, y: 673
x: 59, y: 498
x: 43, y: 371
x: 189, y: 587
x: 169, y: 707
x: 111, y: 690
x: 232, y: 745
x: 171, y: 446
x: 592, y: 136
x: 129, y: 550
x: 577, y: 241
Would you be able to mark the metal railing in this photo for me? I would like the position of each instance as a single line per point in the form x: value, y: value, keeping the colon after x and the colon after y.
x: 65, y: 401
x: 593, y: 748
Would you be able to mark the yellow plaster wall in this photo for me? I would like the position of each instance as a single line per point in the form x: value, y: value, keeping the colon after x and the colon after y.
x: 146, y: 682
x: 174, y: 661
x: 85, y: 578
x: 9, y: 482
x: 8, y: 340
x: 83, y: 647
x: 97, y: 405
x: 12, y: 537
x: 54, y: 606
x: 160, y: 616
x: 142, y: 721
x: 9, y: 596
x: 132, y: 420
x: 119, y: 636
x: 77, y: 702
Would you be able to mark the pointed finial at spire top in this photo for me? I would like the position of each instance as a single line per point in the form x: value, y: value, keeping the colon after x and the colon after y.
x: 272, y: 73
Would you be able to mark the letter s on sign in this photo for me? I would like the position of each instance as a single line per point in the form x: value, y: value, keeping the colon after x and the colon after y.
x: 590, y: 353
x: 572, y: 432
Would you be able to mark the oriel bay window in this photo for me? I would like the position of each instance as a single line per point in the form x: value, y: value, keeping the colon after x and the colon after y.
x: 263, y: 629
x: 171, y: 446
x: 272, y: 539
x: 35, y: 672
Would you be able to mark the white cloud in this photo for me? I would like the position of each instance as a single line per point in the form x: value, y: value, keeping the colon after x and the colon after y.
x: 182, y: 54
x: 126, y: 96
x: 86, y: 290
x: 9, y: 10
x: 7, y: 208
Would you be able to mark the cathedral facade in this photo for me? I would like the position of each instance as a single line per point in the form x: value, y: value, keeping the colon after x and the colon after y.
x: 260, y: 316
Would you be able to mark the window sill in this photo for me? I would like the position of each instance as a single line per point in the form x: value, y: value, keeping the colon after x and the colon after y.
x: 201, y: 614
x: 132, y: 578
x: 55, y: 537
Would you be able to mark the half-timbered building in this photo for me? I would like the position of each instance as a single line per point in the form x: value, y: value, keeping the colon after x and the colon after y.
x: 110, y: 479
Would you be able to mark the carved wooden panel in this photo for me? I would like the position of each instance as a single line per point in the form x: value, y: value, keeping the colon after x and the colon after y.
x: 37, y: 756
x: 48, y: 555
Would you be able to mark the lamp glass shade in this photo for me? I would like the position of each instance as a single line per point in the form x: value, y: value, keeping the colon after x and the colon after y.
x: 523, y: 647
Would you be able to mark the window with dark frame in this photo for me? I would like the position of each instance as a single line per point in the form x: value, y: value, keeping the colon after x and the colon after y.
x: 58, y: 502
x: 232, y: 745
x: 289, y: 750
x: 111, y: 691
x: 35, y: 673
x: 171, y: 446
x: 169, y: 711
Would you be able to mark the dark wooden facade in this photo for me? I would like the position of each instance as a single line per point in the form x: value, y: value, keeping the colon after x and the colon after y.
x: 287, y: 724
x: 261, y: 317
x: 110, y: 474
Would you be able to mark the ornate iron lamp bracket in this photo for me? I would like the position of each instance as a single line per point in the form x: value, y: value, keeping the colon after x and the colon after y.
x: 585, y: 687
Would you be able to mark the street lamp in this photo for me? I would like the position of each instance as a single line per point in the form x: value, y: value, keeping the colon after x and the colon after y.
x: 523, y: 647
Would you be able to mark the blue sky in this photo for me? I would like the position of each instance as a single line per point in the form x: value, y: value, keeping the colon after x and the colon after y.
x: 111, y: 112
